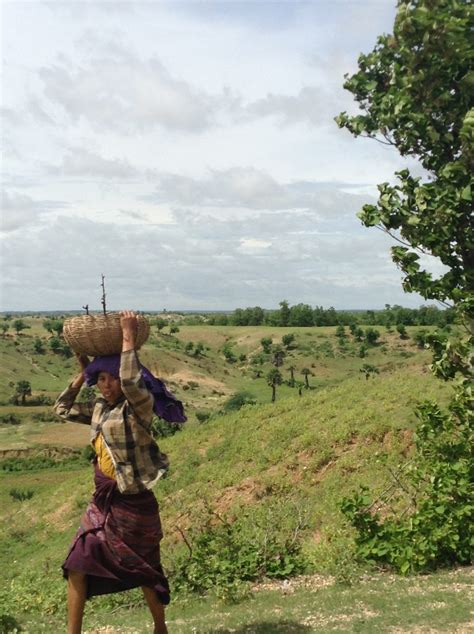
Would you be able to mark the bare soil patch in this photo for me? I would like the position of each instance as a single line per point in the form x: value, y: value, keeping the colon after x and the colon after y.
x: 67, y: 435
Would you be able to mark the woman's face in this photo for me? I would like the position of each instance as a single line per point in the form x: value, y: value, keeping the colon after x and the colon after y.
x: 109, y: 386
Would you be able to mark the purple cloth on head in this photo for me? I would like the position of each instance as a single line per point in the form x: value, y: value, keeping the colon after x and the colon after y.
x: 166, y: 405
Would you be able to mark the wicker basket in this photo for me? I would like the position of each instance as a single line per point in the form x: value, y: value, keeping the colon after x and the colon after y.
x: 99, y: 335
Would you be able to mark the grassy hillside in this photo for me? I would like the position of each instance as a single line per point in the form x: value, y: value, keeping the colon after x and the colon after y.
x: 204, y: 382
x: 274, y: 470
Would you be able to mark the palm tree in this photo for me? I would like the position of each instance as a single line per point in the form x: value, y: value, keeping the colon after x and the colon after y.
x: 368, y: 369
x: 292, y: 375
x: 23, y: 389
x: 306, y: 372
x: 278, y: 356
x: 274, y: 378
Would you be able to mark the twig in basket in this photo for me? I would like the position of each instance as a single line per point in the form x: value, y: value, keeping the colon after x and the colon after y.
x: 102, y: 301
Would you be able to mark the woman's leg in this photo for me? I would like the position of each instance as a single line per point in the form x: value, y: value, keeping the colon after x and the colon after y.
x: 76, y: 599
x: 157, y: 610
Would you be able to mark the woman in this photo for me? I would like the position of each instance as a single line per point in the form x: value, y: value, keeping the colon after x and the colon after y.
x: 117, y: 545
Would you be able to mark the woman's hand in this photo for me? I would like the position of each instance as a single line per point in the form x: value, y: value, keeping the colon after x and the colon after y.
x: 83, y: 360
x: 129, y: 325
x: 80, y: 378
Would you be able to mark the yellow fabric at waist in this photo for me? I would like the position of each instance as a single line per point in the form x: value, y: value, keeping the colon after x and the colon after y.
x: 104, y: 459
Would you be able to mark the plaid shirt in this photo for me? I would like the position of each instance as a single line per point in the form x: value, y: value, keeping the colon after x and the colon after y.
x: 125, y: 427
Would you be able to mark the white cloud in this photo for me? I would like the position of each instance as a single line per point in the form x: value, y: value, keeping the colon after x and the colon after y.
x: 19, y: 210
x: 313, y: 104
x: 203, y: 139
x: 123, y: 93
x: 83, y: 163
x: 251, y: 244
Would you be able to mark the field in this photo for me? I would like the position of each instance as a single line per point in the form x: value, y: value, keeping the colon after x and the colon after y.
x: 268, y: 470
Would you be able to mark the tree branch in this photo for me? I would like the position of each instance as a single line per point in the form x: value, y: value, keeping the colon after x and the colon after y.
x: 374, y: 138
x: 405, y: 244
x: 185, y: 539
x: 102, y: 301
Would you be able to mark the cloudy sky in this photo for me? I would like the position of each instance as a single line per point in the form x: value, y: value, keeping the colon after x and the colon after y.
x: 187, y: 150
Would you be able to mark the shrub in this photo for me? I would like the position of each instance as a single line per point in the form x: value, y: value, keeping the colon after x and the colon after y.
x: 264, y: 542
x: 371, y: 336
x: 238, y: 400
x: 160, y: 428
x: 38, y: 346
x: 402, y: 331
x: 202, y: 417
x: 21, y: 495
x: 88, y: 454
x: 9, y: 419
x: 287, y: 340
x: 428, y: 511
x: 9, y: 623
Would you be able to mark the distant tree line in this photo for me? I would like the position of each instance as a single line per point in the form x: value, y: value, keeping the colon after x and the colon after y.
x: 306, y: 315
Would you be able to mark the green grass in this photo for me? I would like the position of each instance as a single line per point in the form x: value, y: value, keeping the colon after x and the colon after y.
x: 437, y: 603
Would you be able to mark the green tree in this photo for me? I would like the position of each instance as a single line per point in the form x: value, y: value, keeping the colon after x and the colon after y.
x: 352, y: 328
x: 48, y: 325
x: 199, y: 349
x: 19, y: 325
x: 160, y: 323
x: 341, y: 332
x: 4, y: 326
x: 402, y: 331
x: 278, y: 356
x: 173, y: 329
x: 229, y: 353
x: 22, y: 390
x: 415, y: 91
x: 291, y: 370
x: 266, y: 343
x: 238, y: 400
x: 274, y: 378
x: 368, y: 369
x: 284, y: 313
x: 57, y: 326
x: 38, y: 346
x: 287, y: 340
x: 306, y: 372
x: 371, y: 336
x: 55, y: 345
x: 421, y: 338
x: 188, y: 348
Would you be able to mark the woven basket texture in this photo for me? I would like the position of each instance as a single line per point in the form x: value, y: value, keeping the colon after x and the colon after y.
x: 100, y: 335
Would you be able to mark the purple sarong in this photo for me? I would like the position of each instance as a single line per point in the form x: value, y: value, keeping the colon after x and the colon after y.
x: 118, y: 542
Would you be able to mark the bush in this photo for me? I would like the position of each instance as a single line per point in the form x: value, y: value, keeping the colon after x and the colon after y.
x: 402, y: 331
x: 203, y: 416
x: 421, y: 338
x: 160, y: 428
x: 9, y: 623
x: 21, y: 495
x: 371, y: 336
x: 238, y: 400
x: 88, y: 454
x: 40, y: 462
x: 427, y: 517
x: 225, y: 554
x: 9, y: 419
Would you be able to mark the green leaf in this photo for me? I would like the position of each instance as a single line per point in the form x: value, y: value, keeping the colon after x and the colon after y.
x: 466, y: 193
